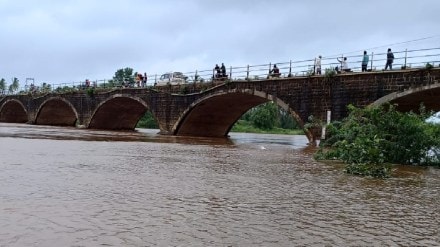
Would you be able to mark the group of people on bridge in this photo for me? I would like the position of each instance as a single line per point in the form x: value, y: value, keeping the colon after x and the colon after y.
x: 141, y: 80
x: 220, y: 72
x: 344, y: 66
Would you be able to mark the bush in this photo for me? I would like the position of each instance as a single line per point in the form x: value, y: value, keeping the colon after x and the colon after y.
x: 147, y: 121
x: 90, y: 91
x: 184, y: 89
x: 266, y: 117
x: 370, y: 139
x: 329, y: 73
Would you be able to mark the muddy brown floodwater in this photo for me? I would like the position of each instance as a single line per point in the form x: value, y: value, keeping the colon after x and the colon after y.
x: 76, y: 187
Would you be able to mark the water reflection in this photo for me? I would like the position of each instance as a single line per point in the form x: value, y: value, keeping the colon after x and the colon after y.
x: 72, y: 133
x: 141, y: 135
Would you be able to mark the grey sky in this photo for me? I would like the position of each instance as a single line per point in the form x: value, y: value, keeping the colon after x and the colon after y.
x: 66, y: 41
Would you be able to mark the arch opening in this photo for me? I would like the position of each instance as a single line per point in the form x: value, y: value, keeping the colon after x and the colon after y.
x: 214, y: 116
x: 118, y: 113
x: 13, y: 111
x: 411, y: 99
x: 56, y: 112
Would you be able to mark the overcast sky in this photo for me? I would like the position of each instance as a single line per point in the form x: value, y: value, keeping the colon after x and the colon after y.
x: 66, y: 41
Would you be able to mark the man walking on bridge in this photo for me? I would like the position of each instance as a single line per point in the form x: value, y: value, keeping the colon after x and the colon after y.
x: 365, y: 61
x: 390, y: 59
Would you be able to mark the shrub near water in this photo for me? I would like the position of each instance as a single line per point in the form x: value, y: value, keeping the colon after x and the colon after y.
x: 371, y: 139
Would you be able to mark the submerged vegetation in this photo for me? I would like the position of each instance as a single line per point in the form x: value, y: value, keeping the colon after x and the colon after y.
x: 370, y: 140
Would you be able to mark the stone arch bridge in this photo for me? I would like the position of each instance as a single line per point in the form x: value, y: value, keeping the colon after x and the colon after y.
x: 211, y: 109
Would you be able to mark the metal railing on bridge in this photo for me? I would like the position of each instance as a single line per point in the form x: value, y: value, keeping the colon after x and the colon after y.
x: 403, y: 59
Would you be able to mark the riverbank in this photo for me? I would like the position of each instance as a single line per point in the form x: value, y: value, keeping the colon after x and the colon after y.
x: 245, y: 127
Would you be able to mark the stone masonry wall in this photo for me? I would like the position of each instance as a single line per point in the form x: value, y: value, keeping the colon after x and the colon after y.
x: 306, y: 96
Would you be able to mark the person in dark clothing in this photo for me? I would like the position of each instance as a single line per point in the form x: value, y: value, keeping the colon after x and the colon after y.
x: 217, y: 71
x: 275, y: 72
x: 390, y: 59
x: 144, y: 80
x: 223, y: 69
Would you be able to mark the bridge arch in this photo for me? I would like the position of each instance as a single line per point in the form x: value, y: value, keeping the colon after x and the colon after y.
x: 411, y: 98
x: 215, y: 114
x: 56, y: 111
x: 118, y: 112
x: 13, y: 111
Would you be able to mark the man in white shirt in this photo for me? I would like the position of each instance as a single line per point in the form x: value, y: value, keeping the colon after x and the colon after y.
x: 318, y: 65
x: 344, y: 66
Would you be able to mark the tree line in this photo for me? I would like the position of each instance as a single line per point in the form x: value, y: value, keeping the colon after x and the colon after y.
x: 121, y: 75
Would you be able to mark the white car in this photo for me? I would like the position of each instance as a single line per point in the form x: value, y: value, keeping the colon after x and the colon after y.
x: 172, y: 78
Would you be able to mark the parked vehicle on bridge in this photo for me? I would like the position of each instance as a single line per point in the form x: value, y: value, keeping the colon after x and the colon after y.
x: 172, y: 78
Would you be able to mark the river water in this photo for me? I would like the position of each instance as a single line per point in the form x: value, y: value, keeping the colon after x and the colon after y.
x: 76, y: 187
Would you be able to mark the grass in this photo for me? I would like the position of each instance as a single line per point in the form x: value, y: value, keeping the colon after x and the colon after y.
x: 244, y: 127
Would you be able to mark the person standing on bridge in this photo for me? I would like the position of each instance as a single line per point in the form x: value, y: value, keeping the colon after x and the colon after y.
x: 365, y: 61
x: 390, y: 59
x: 223, y: 69
x: 144, y: 80
x: 318, y: 65
x: 138, y: 79
x: 217, y: 71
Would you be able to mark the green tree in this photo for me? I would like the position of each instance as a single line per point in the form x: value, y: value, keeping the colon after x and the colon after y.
x: 2, y: 86
x: 266, y: 117
x: 14, y: 86
x: 147, y: 121
x: 286, y: 121
x: 122, y: 76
